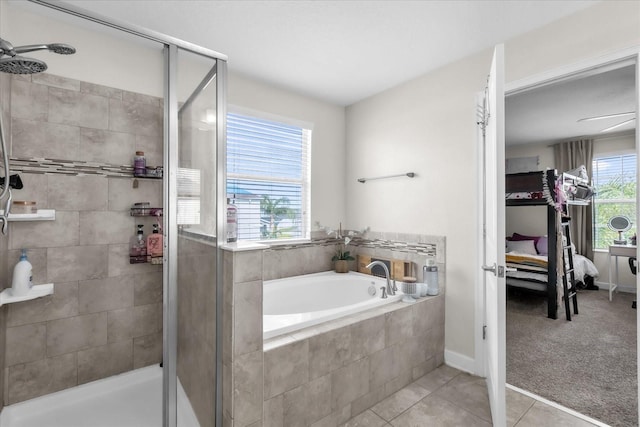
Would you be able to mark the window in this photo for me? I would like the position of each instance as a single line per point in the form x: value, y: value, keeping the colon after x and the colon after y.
x: 614, y: 178
x: 268, y: 177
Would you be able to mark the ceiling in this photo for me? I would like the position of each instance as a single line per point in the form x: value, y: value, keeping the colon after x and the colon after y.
x: 551, y: 113
x: 338, y: 51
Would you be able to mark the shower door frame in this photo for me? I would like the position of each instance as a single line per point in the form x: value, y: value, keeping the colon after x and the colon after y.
x: 170, y: 150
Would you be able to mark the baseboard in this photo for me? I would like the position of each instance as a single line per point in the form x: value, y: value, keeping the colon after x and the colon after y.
x: 604, y: 286
x: 460, y: 361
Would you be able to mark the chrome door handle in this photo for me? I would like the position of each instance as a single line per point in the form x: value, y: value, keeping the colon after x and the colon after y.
x: 491, y: 268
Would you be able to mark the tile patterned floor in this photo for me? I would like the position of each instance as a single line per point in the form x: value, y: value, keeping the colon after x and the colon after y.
x: 449, y: 397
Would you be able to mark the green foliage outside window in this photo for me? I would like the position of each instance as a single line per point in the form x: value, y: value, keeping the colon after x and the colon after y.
x: 616, y: 195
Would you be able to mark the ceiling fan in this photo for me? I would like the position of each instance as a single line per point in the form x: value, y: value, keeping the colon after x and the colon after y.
x: 609, y: 116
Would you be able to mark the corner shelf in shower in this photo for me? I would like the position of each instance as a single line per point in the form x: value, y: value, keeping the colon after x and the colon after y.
x: 36, y: 291
x: 41, y: 215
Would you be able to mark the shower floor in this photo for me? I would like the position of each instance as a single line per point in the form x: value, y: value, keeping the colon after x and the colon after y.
x: 132, y: 399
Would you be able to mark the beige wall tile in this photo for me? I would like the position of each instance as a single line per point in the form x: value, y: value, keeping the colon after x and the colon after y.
x: 119, y: 263
x: 147, y: 288
x: 56, y: 81
x: 29, y: 380
x: 37, y: 139
x: 316, y: 259
x: 122, y: 195
x: 78, y: 109
x: 98, y: 145
x: 45, y: 234
x: 105, y: 294
x: 25, y: 344
x: 385, y: 365
x: 29, y: 100
x: 106, y: 227
x: 134, y: 322
x: 248, y: 319
x: 76, y: 333
x: 247, y: 266
x: 141, y: 98
x: 308, y: 403
x: 398, y: 326
x: 147, y: 350
x: 349, y: 383
x: 367, y: 337
x: 282, y: 263
x: 329, y: 351
x: 227, y: 391
x: 76, y: 263
x: 426, y: 314
x: 135, y: 117
x: 105, y: 91
x: 286, y: 368
x: 103, y: 361
x: 248, y: 393
x: 62, y: 303
x: 35, y: 189
x: 78, y: 193
x: 273, y: 412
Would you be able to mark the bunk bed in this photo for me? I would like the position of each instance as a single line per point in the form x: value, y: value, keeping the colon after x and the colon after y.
x: 537, y: 269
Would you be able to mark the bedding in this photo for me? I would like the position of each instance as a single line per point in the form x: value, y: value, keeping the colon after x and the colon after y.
x: 534, y: 267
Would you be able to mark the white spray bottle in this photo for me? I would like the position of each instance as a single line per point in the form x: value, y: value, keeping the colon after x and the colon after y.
x: 21, y: 276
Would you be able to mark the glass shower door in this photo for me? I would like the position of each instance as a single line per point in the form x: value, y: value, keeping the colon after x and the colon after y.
x: 195, y: 268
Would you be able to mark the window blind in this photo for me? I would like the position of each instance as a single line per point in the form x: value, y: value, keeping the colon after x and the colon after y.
x: 268, y: 177
x: 614, y: 178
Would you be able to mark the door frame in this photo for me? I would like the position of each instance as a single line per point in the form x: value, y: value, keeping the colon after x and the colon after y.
x: 555, y: 75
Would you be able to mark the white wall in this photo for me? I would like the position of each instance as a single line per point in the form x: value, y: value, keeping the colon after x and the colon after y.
x: 427, y: 126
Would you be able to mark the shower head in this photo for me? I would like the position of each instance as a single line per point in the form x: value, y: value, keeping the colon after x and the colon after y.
x: 21, y: 65
x: 60, y: 48
x: 15, y: 64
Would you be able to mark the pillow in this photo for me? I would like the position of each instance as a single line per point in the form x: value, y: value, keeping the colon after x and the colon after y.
x: 522, y: 246
x: 517, y: 237
x: 542, y: 246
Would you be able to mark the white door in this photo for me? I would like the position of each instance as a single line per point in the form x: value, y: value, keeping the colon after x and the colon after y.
x: 494, y: 237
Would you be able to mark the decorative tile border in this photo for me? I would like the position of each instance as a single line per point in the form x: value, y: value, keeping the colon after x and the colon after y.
x: 68, y: 167
x: 412, y: 243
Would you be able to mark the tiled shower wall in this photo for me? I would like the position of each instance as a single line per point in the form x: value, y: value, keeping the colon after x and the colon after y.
x: 105, y: 316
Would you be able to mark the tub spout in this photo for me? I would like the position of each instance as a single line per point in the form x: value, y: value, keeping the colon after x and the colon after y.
x: 391, y: 290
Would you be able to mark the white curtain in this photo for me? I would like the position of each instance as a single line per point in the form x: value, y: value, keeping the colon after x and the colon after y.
x: 570, y: 155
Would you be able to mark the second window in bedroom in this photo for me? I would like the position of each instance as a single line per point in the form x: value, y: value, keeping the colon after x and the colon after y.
x: 614, y: 177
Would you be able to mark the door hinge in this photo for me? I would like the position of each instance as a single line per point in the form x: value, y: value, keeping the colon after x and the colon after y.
x: 484, y: 332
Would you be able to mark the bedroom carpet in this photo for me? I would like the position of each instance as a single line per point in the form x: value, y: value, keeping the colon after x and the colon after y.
x: 588, y: 364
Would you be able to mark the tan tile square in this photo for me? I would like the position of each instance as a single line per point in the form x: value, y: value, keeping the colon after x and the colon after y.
x: 435, y: 411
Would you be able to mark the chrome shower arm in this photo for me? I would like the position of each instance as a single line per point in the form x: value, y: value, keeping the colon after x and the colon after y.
x: 29, y: 48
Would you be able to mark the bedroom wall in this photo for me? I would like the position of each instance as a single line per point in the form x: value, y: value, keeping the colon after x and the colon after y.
x: 427, y: 126
x: 532, y: 220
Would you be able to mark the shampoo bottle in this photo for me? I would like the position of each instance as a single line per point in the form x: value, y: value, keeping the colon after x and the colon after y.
x: 232, y: 222
x: 21, y: 276
x: 154, y: 242
x: 138, y: 247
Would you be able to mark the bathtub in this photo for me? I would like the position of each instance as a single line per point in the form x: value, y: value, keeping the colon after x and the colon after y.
x: 297, y: 302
